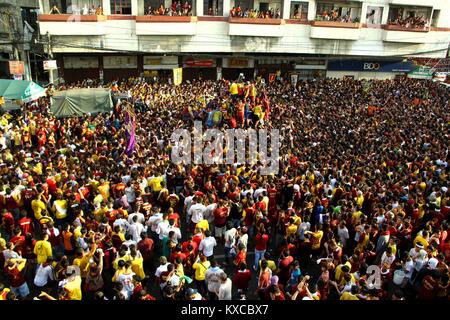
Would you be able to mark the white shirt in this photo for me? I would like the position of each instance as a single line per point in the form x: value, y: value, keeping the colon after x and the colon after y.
x: 386, y: 259
x: 163, y: 229
x: 244, y: 240
x: 230, y: 237
x: 208, y: 214
x: 122, y: 223
x: 409, y: 268
x: 131, y: 195
x: 225, y: 290
x: 258, y: 192
x: 140, y: 219
x: 304, y: 226
x: 43, y: 274
x: 196, y: 212
x: 135, y: 231
x: 207, y: 246
x: 212, y: 277
x: 343, y: 235
x: 154, y: 221
x: 188, y: 202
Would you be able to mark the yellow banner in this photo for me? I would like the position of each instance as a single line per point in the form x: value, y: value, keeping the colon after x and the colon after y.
x: 177, y: 76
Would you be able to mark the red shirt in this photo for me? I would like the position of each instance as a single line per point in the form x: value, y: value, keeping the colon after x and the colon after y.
x: 185, y: 245
x: 25, y: 225
x: 220, y: 216
x: 198, y: 238
x: 8, y: 219
x: 249, y: 215
x: 261, y: 242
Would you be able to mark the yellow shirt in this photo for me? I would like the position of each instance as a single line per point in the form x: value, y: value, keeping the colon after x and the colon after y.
x: 60, y: 208
x: 292, y: 229
x: 104, y: 191
x: 137, y: 267
x: 422, y: 241
x: 338, y: 272
x: 73, y: 288
x: 200, y: 269
x: 348, y: 296
x: 155, y: 183
x: 37, y: 206
x: 315, y: 239
x: 203, y: 224
x: 43, y: 250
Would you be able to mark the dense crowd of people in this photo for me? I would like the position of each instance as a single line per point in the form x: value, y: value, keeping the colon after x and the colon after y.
x: 358, y: 210
x: 334, y: 15
x: 412, y: 21
x: 271, y: 13
x: 176, y: 9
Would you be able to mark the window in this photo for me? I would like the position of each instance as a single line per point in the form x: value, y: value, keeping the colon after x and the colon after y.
x: 374, y: 15
x: 410, y: 17
x: 213, y: 7
x: 435, y: 18
x: 299, y: 10
x: 151, y: 5
x: 77, y: 6
x: 120, y: 6
x: 339, y: 12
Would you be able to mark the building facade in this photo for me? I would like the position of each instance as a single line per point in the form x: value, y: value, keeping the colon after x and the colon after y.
x: 110, y: 39
x: 18, y: 27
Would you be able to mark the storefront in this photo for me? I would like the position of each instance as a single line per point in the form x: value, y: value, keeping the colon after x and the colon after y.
x: 368, y: 69
x: 76, y: 68
x: 119, y: 67
x: 204, y: 68
x: 233, y: 67
x: 159, y: 66
x: 270, y: 66
x: 310, y: 69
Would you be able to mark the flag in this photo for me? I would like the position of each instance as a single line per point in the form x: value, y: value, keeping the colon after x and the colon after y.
x: 272, y: 77
x: 129, y: 128
x: 177, y: 76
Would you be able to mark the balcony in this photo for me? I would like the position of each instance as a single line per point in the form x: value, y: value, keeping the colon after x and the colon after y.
x: 396, y: 33
x: 335, y: 30
x: 419, y: 3
x: 69, y: 24
x: 166, y: 25
x: 254, y: 27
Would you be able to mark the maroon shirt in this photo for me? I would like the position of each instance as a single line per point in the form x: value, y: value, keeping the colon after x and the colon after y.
x: 242, y: 278
x: 15, y: 277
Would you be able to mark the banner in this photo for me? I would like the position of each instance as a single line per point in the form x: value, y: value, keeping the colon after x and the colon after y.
x: 294, y: 79
x: 177, y: 76
x: 50, y: 65
x: 129, y: 128
x: 272, y: 77
x: 16, y: 67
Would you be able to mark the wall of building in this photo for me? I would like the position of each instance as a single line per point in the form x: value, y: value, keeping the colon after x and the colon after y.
x: 362, y: 75
x: 213, y: 36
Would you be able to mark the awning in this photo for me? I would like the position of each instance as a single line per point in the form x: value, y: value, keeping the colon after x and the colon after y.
x: 22, y: 90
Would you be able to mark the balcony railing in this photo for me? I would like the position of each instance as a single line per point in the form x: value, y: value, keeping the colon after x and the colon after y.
x: 71, y: 18
x: 396, y: 27
x: 336, y: 24
x: 166, y: 19
x: 256, y: 21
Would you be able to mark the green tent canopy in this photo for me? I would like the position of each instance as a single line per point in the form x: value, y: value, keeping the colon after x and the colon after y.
x: 22, y: 90
x: 77, y: 102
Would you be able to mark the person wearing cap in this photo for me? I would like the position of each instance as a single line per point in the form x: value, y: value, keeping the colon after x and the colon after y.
x: 192, y: 294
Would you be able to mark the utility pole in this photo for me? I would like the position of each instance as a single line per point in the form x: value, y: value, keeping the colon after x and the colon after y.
x: 50, y: 55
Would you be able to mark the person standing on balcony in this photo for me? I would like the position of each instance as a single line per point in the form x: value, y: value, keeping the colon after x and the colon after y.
x: 99, y: 11
x: 55, y: 10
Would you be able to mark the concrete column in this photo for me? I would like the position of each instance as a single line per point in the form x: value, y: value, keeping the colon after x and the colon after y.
x: 106, y: 5
x: 44, y: 6
x: 226, y: 8
x: 136, y: 7
x: 199, y: 8
x: 286, y: 9
x: 385, y: 16
x: 311, y: 10
x: 363, y: 13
